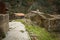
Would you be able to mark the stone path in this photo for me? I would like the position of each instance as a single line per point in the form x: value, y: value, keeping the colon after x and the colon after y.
x: 17, y: 31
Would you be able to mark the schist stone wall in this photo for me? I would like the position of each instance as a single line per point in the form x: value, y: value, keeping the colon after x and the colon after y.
x: 50, y: 22
x: 4, y: 24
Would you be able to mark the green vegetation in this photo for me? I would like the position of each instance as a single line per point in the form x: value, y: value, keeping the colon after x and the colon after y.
x: 41, y: 33
x: 46, y: 6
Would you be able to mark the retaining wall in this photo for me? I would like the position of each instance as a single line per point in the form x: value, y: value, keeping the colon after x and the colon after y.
x: 4, y: 24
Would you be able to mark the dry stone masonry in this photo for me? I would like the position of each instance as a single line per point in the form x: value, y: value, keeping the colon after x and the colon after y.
x: 49, y: 21
x: 4, y: 24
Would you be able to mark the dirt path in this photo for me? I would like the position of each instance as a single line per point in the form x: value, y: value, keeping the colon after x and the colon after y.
x: 17, y: 31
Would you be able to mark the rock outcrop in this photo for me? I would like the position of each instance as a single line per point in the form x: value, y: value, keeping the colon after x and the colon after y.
x: 50, y: 22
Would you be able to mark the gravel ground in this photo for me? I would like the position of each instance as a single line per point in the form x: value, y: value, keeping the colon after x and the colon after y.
x: 17, y: 31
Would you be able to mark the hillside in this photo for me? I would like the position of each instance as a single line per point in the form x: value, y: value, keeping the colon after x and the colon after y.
x: 47, y: 6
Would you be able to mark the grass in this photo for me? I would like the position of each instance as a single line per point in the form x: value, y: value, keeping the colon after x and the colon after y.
x: 41, y: 33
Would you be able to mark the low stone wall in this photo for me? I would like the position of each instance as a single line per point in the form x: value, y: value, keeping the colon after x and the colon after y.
x: 50, y: 22
x: 4, y: 24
